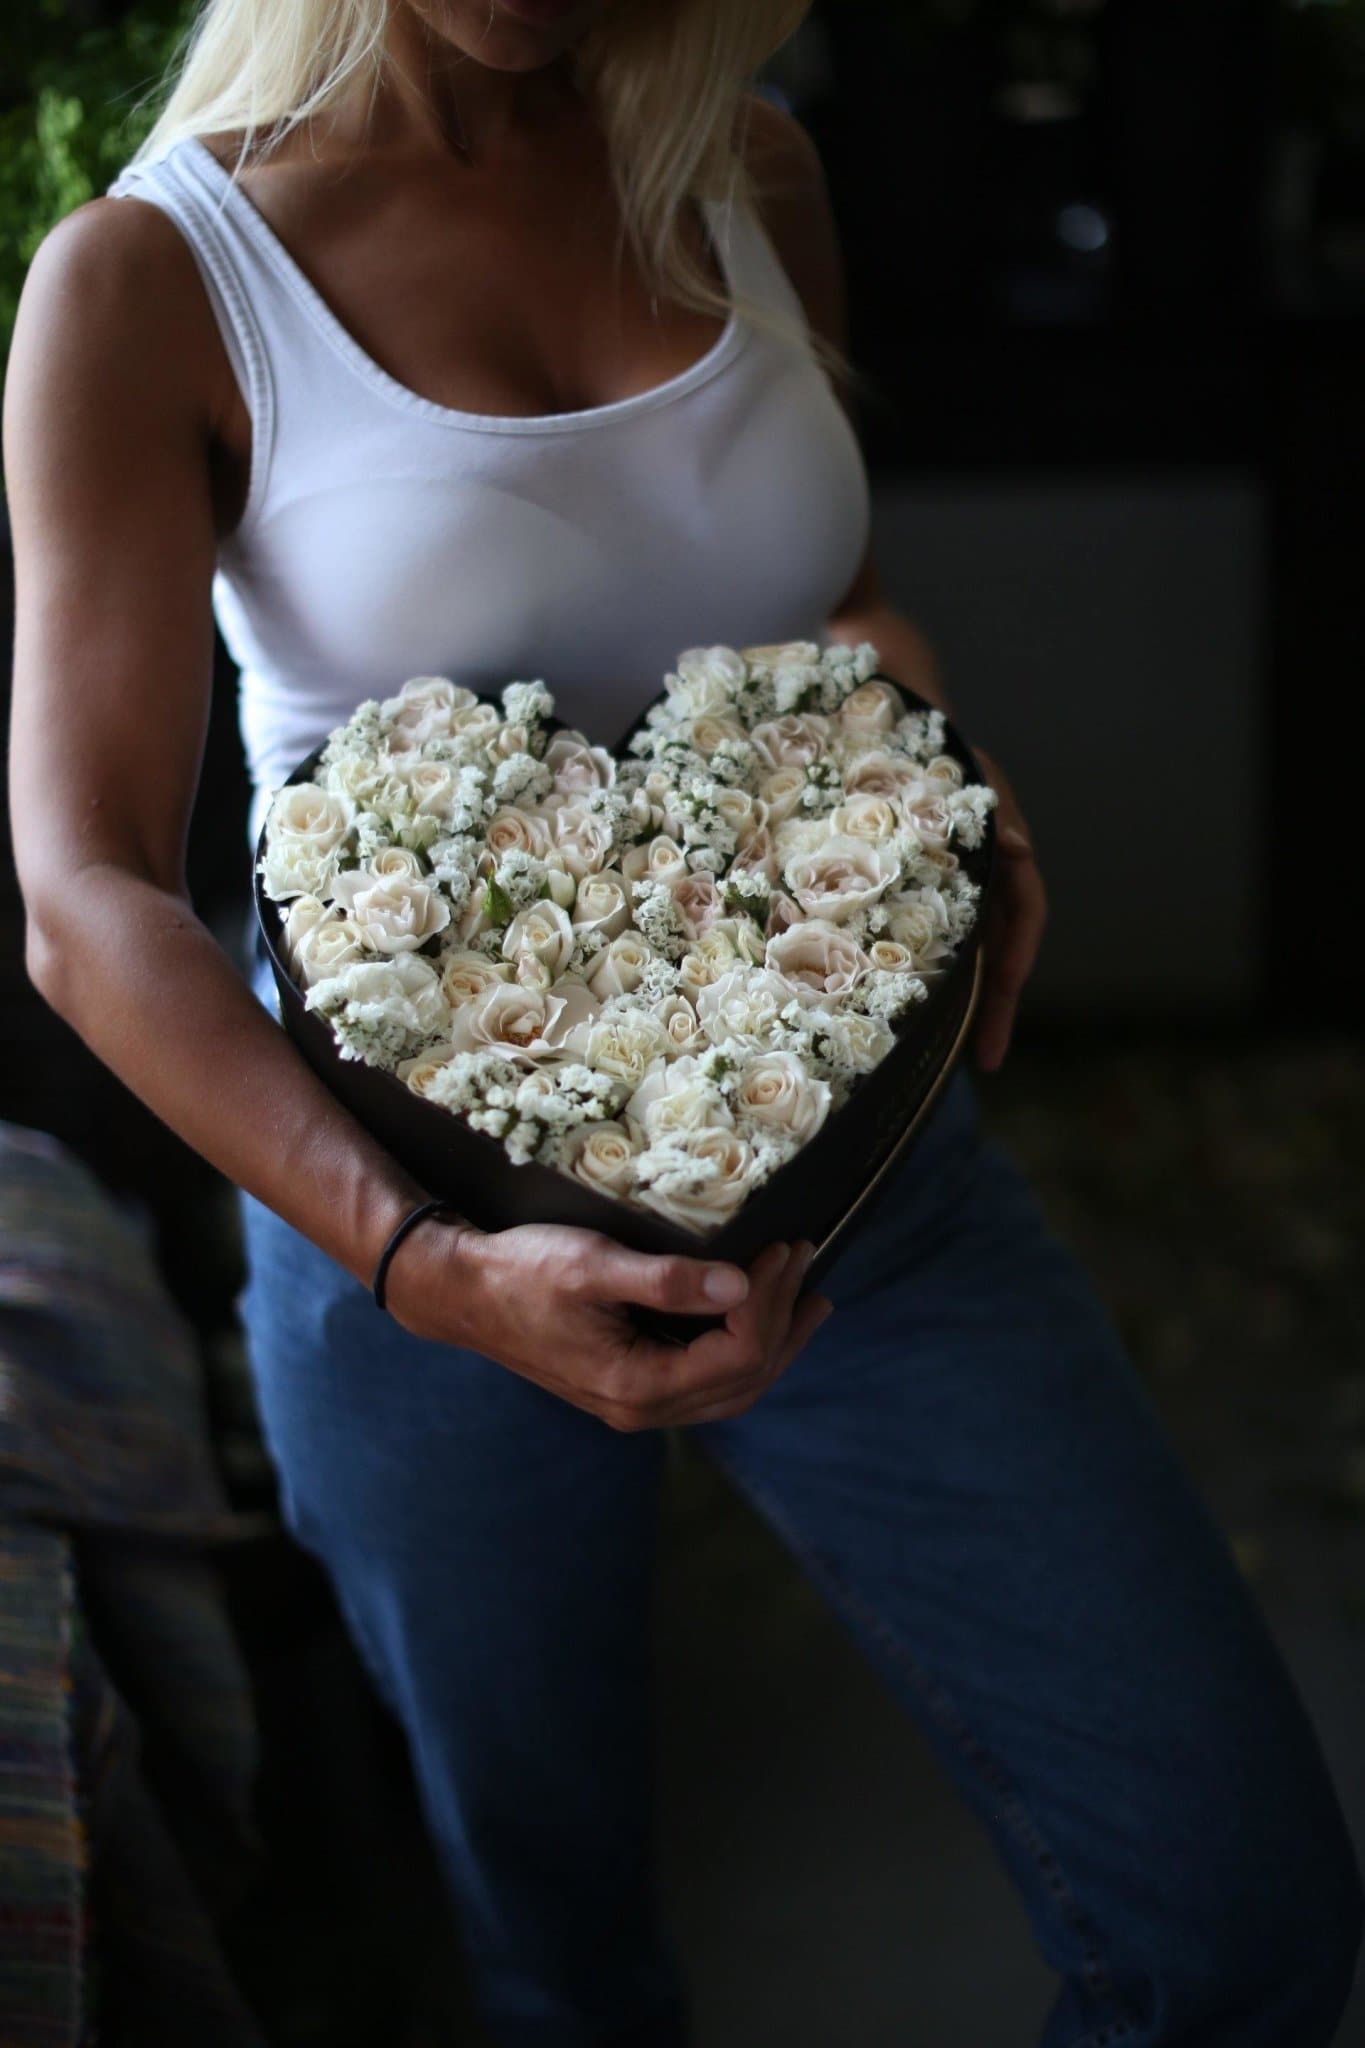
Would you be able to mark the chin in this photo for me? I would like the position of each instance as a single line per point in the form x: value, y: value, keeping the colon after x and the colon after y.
x: 509, y: 35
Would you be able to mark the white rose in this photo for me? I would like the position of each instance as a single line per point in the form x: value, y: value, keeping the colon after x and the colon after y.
x: 853, y: 1042
x: 510, y: 830
x: 702, y: 1179
x: 422, y: 711
x: 731, y: 939
x: 673, y: 1097
x: 545, y: 932
x: 775, y: 1090
x: 602, y: 1156
x: 781, y: 791
x: 622, y: 1043
x: 522, y: 1023
x: 602, y: 903
x: 698, y: 903
x: 866, y: 817
x: 466, y: 975
x: 391, y: 914
x: 840, y: 877
x: 945, y: 770
x: 926, y: 812
x: 818, y: 957
x: 793, y: 741
x: 318, y: 946
x: 397, y: 1000
x: 707, y: 679
x: 361, y: 776
x: 577, y: 766
x: 748, y: 1004
x: 872, y: 709
x: 620, y: 966
x: 581, y: 839
x: 661, y: 860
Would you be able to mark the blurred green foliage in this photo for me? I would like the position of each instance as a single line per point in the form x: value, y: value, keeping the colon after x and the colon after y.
x: 76, y: 98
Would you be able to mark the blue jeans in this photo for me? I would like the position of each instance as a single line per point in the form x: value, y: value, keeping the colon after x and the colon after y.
x: 966, y: 1465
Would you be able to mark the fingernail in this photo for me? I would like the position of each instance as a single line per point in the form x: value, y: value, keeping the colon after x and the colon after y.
x: 725, y: 1285
x: 1014, y: 840
x: 784, y: 1252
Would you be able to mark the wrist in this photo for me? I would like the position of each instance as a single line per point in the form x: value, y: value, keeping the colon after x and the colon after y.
x: 429, y: 1282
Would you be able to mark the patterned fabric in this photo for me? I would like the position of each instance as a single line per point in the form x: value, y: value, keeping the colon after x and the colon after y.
x: 127, y: 1747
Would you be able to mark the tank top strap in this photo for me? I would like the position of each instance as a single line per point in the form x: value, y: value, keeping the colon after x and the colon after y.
x: 244, y: 294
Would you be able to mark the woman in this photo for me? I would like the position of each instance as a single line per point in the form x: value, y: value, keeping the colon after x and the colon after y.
x: 478, y: 370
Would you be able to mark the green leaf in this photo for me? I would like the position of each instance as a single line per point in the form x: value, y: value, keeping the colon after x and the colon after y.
x: 497, y: 904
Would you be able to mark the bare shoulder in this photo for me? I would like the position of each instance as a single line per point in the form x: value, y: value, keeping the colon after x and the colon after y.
x: 113, y: 304
x: 792, y: 196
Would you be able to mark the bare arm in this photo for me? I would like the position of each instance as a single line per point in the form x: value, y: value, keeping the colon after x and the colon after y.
x: 798, y: 214
x: 114, y: 387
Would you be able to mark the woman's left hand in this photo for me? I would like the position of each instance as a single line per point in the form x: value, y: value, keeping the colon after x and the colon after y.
x: 1015, y: 922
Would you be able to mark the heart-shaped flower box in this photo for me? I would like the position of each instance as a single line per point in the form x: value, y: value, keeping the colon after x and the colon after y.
x: 818, y: 1194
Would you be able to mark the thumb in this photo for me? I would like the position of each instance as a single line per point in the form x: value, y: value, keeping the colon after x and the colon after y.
x: 682, y: 1286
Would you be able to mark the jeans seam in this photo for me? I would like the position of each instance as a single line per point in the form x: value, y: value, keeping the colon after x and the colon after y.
x: 948, y: 1718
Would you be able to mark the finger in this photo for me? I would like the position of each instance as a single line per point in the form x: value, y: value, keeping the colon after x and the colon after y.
x: 812, y: 1311
x: 681, y: 1286
x: 1011, y: 961
x: 786, y: 1295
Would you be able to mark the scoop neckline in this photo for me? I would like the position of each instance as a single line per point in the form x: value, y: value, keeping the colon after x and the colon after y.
x: 723, y: 348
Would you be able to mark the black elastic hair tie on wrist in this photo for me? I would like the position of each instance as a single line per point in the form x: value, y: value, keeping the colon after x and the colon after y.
x: 409, y: 1222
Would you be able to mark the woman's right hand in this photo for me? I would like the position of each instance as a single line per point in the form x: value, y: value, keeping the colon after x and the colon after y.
x: 553, y: 1304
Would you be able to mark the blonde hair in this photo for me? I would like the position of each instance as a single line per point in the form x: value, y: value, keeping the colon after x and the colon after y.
x: 669, y: 79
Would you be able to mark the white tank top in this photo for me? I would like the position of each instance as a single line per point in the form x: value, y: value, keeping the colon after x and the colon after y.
x: 386, y: 536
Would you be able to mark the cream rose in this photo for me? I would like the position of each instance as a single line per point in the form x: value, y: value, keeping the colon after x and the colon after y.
x: 840, y: 877
x: 698, y: 903
x: 432, y: 788
x: 782, y: 791
x: 543, y: 931
x: 619, y: 968
x: 661, y: 860
x: 524, y: 1024
x: 780, y: 654
x: 466, y: 975
x: 776, y: 1091
x: 791, y: 742
x: 602, y: 903
x: 510, y: 830
x: 418, y: 1073
x: 577, y: 766
x: 853, y: 1042
x: 866, y: 817
x: 817, y: 957
x: 318, y: 941
x: 391, y: 914
x: 880, y: 774
x: 871, y: 710
x: 711, y: 729
x: 397, y: 863
x: 422, y: 711
x: 682, y: 1028
x: 308, y: 827
x: 602, y: 1156
x: 581, y: 840
x: 706, y: 679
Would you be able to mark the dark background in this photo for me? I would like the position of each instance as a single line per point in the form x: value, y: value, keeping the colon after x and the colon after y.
x: 1107, y: 272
